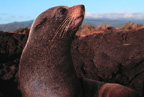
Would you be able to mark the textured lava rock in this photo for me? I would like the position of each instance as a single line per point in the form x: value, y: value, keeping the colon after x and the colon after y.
x: 11, y: 46
x: 116, y: 57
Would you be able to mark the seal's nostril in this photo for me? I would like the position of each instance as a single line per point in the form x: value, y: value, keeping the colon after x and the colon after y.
x: 83, y: 7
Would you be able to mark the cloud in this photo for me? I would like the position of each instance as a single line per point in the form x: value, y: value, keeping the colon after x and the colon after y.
x: 116, y: 15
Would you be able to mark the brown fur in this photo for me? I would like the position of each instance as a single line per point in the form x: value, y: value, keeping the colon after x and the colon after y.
x: 46, y: 68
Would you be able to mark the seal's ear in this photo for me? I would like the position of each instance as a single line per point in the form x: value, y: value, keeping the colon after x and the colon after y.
x: 42, y: 22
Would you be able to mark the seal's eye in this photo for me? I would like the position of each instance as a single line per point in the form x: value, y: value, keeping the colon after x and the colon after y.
x: 62, y: 11
x: 60, y: 14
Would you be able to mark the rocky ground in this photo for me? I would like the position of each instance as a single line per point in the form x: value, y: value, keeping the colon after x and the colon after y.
x: 112, y: 55
x: 11, y: 46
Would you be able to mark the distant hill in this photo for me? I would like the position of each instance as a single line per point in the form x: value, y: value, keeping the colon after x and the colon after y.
x: 112, y: 22
x: 96, y: 22
x: 92, y: 21
x: 15, y: 25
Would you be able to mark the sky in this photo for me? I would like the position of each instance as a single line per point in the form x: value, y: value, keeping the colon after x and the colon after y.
x: 24, y: 10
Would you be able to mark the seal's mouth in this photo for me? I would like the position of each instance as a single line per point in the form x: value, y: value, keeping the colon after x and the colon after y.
x: 81, y: 16
x: 79, y: 20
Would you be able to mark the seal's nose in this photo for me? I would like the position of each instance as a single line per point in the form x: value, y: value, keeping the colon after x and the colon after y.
x: 78, y: 10
x: 80, y: 6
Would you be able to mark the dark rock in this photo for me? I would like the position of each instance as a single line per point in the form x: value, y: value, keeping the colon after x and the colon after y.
x: 11, y: 46
x: 9, y: 88
x: 111, y: 57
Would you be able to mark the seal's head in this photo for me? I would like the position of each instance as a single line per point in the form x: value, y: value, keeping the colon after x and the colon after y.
x: 58, y: 22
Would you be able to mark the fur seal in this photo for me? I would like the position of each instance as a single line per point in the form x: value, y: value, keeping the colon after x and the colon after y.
x: 46, y: 68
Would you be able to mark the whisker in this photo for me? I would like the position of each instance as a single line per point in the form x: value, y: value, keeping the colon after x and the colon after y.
x: 64, y: 26
x: 68, y: 25
x: 63, y: 23
x: 58, y: 29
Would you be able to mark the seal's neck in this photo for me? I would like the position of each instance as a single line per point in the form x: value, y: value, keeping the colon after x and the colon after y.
x: 56, y: 57
x: 61, y: 62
